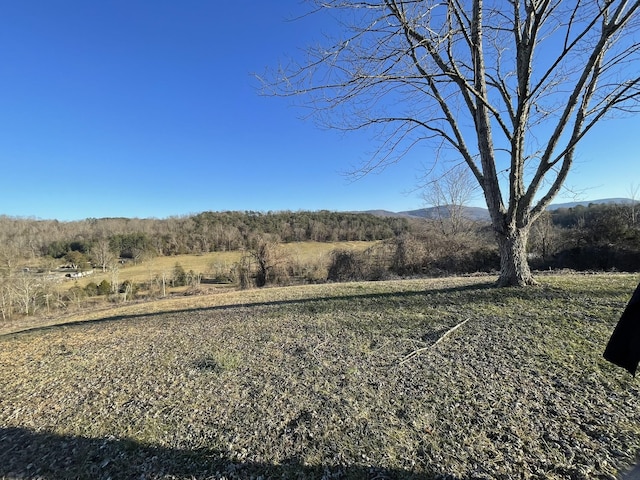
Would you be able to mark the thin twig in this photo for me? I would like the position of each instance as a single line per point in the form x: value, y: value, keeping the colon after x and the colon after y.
x: 417, y: 352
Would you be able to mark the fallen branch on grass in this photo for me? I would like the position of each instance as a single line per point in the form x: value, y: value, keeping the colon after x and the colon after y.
x: 417, y: 352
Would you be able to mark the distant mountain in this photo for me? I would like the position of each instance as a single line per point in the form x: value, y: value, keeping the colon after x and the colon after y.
x: 432, y: 213
x: 385, y: 213
x: 482, y: 214
x: 586, y: 203
x: 473, y: 213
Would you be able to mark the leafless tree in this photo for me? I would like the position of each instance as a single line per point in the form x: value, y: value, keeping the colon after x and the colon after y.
x: 510, y: 87
x: 633, y: 195
x: 269, y: 259
x: 101, y: 253
x: 9, y: 259
x: 6, y: 298
x: 450, y: 195
x: 25, y: 290
x: 164, y: 284
x: 114, y: 269
x: 543, y: 235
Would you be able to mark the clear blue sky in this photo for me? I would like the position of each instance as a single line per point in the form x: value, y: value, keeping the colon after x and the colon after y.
x: 142, y: 108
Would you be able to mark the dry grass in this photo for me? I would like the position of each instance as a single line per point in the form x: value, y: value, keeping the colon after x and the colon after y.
x: 310, y: 382
x: 217, y: 297
x: 301, y: 251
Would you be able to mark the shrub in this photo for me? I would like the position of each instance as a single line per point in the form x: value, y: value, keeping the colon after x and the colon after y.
x: 75, y: 294
x: 91, y: 289
x: 129, y: 289
x: 272, y: 265
x: 409, y: 255
x: 243, y: 272
x: 468, y: 260
x: 345, y: 266
x: 607, y: 257
x: 104, y: 288
x: 179, y: 277
x: 193, y: 279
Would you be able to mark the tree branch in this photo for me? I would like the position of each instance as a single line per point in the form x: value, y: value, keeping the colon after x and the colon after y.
x: 417, y: 352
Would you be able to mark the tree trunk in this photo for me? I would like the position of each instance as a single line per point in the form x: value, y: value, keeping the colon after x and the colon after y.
x: 514, y: 267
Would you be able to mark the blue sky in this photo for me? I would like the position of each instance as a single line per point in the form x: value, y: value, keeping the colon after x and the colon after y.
x: 149, y: 109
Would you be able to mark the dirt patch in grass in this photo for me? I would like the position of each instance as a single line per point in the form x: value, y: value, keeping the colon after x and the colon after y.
x: 336, y: 381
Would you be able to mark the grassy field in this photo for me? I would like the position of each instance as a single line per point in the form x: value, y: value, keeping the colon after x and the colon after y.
x: 307, y: 252
x: 360, y: 380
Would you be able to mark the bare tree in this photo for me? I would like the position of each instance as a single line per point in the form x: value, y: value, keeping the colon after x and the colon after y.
x: 543, y: 235
x: 25, y: 290
x: 6, y: 298
x: 102, y: 254
x: 114, y: 269
x: 450, y: 195
x: 269, y: 260
x: 510, y: 87
x: 9, y: 259
x: 633, y: 195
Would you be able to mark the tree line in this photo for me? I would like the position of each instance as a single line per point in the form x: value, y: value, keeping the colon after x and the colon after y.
x: 594, y: 237
x: 559, y: 239
x: 202, y: 233
x: 30, y: 249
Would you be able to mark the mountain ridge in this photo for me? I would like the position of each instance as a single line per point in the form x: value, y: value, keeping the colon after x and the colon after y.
x: 482, y: 214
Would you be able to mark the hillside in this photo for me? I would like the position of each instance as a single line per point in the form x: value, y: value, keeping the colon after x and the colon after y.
x: 602, y: 201
x: 472, y: 213
x: 482, y: 214
x: 444, y: 378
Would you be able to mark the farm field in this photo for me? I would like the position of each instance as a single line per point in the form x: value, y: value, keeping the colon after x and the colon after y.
x: 309, y: 254
x: 303, y: 251
x: 432, y: 378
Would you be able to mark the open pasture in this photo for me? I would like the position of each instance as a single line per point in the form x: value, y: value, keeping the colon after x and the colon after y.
x: 360, y: 380
x: 303, y: 252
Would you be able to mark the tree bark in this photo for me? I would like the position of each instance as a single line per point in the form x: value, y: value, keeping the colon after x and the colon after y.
x: 514, y: 267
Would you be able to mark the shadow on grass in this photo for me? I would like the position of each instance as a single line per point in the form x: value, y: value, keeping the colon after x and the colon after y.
x: 26, y: 454
x: 473, y: 293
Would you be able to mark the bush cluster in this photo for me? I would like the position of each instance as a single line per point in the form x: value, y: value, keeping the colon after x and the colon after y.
x: 598, y: 237
x: 93, y: 289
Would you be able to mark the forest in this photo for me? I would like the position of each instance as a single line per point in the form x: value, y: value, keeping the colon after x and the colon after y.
x: 204, y: 232
x: 583, y: 238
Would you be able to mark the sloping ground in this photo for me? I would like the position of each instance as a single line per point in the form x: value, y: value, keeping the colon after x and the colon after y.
x: 349, y: 384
